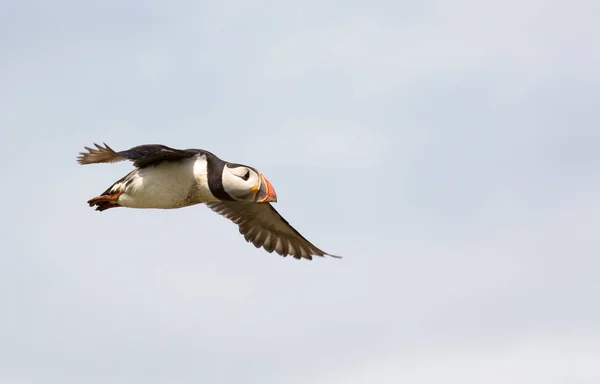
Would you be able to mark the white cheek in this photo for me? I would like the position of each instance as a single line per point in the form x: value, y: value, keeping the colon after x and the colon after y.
x: 231, y: 183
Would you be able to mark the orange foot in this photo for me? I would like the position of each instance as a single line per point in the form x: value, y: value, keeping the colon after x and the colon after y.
x: 105, y: 202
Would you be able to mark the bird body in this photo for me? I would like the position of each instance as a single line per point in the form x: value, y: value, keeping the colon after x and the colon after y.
x: 166, y: 185
x: 168, y: 178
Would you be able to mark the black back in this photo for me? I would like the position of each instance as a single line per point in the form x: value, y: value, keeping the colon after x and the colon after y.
x: 154, y: 154
x: 151, y: 154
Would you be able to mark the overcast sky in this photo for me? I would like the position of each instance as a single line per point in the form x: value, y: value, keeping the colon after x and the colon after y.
x: 449, y: 150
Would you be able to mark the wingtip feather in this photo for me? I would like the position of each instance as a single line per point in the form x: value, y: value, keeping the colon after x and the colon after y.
x: 99, y: 155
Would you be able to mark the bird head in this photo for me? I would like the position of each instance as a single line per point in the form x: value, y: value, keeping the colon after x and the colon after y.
x: 244, y: 183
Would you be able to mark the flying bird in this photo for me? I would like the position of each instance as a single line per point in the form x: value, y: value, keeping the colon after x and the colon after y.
x: 168, y: 178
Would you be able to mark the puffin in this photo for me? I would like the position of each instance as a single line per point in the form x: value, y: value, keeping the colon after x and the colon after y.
x: 168, y: 178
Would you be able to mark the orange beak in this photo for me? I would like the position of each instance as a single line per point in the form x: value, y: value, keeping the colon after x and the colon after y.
x: 271, y: 195
x: 266, y: 192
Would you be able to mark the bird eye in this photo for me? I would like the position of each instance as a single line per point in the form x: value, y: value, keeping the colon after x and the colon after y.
x: 246, y: 176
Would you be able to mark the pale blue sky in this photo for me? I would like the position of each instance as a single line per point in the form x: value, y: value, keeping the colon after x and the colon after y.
x: 447, y: 149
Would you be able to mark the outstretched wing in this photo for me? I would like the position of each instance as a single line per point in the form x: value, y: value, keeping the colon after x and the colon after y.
x: 262, y: 225
x: 142, y: 155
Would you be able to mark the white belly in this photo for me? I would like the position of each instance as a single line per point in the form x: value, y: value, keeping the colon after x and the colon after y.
x: 167, y: 185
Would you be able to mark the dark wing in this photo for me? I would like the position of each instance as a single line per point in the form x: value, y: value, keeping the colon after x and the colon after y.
x: 262, y: 225
x: 142, y: 155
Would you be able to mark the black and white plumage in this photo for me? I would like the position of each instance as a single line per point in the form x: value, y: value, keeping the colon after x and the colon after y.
x: 168, y: 178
